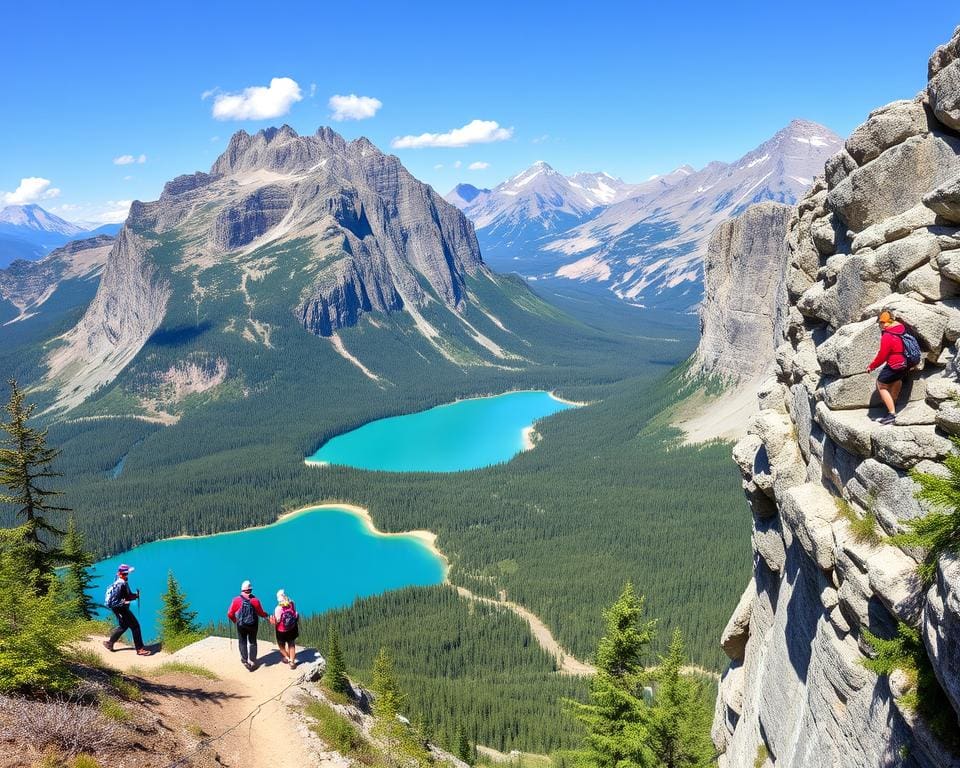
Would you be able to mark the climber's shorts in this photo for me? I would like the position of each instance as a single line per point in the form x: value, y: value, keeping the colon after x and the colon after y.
x: 889, y: 375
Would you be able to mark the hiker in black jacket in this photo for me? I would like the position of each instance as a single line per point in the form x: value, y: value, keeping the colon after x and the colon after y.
x: 118, y: 599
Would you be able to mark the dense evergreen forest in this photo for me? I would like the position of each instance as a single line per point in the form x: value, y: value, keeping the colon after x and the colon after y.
x: 607, y: 495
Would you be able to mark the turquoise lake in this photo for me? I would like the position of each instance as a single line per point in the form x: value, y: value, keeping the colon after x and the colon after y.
x: 468, y: 434
x: 324, y: 558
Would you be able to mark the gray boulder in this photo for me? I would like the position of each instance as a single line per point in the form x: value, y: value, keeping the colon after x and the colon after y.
x: 944, y: 94
x: 838, y: 167
x: 851, y: 429
x: 945, y: 200
x: 926, y: 283
x: 948, y: 417
x: 896, y: 180
x: 889, y: 493
x: 904, y: 447
x: 885, y: 128
x: 892, y: 261
x: 737, y: 632
x: 893, y: 228
x: 809, y: 510
x: 850, y: 349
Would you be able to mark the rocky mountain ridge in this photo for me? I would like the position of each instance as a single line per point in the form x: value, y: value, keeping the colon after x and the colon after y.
x: 828, y: 486
x: 645, y: 242
x: 536, y: 202
x: 27, y: 285
x: 312, y: 230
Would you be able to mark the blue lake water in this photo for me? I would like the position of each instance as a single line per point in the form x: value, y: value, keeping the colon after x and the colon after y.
x: 468, y: 434
x: 324, y: 558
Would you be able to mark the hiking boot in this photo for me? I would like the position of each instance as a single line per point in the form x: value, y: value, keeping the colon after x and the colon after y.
x: 888, y: 419
x: 108, y: 645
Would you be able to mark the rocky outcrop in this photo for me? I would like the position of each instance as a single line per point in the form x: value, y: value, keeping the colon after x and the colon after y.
x: 876, y: 232
x: 744, y: 289
x: 129, y: 306
x: 27, y: 284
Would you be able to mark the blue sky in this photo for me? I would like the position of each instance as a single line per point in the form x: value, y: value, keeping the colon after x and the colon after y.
x: 628, y: 87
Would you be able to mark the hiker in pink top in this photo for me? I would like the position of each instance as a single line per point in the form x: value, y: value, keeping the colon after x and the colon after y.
x: 286, y: 621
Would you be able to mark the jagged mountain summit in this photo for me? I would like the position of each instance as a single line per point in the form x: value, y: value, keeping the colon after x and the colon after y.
x: 648, y: 248
x: 536, y: 202
x: 285, y: 232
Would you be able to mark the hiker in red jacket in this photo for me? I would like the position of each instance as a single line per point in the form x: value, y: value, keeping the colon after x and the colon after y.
x: 244, y: 612
x: 895, y: 368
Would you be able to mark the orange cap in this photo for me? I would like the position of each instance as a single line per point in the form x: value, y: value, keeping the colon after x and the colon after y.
x: 885, y: 317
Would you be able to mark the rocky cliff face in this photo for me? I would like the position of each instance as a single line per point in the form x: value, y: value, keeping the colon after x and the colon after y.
x: 881, y: 230
x: 741, y: 320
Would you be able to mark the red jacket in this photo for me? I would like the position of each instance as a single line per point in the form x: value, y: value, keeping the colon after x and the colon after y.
x: 891, y: 349
x: 235, y: 608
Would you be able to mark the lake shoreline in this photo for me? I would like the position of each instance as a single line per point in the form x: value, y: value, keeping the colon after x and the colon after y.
x: 427, y: 538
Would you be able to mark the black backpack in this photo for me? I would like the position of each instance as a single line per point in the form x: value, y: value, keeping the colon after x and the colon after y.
x: 911, y: 347
x: 246, y: 616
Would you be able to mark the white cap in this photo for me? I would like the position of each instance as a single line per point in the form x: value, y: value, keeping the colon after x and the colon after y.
x: 282, y: 597
x: 246, y: 586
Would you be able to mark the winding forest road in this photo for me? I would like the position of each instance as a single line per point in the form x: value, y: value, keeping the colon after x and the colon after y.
x: 567, y: 663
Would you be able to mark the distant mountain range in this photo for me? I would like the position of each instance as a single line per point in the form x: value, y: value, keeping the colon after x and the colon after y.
x: 30, y: 232
x: 645, y: 242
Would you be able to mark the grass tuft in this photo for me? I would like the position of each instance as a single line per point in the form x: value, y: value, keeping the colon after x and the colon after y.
x: 112, y: 709
x: 864, y: 529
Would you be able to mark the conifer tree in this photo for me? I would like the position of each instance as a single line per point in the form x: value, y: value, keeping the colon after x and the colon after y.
x: 387, y: 703
x: 77, y: 580
x: 178, y: 625
x: 335, y: 675
x: 25, y: 463
x: 617, y: 715
x: 463, y: 750
x: 678, y: 729
x: 34, y: 632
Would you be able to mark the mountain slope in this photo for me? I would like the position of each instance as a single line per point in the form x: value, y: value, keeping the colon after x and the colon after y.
x: 286, y: 232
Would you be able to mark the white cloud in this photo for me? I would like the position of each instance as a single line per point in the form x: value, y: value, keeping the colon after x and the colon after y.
x: 540, y: 139
x: 31, y: 189
x: 438, y: 167
x: 478, y: 166
x: 208, y: 93
x: 457, y: 164
x: 128, y: 178
x: 129, y: 160
x: 313, y: 90
x: 353, y: 107
x: 474, y: 132
x: 111, y: 212
x: 258, y: 102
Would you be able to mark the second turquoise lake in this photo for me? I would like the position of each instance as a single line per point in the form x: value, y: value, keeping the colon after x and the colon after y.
x: 468, y: 434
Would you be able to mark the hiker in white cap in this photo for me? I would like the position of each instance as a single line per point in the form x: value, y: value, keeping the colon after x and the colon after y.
x: 244, y: 612
x: 118, y: 599
x: 286, y: 622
